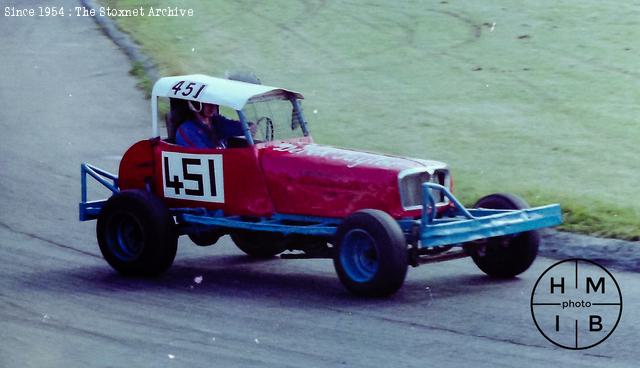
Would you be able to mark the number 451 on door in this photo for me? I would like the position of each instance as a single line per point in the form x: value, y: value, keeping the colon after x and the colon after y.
x: 193, y: 177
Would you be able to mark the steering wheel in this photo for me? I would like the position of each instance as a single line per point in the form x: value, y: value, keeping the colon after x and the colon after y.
x: 265, y: 125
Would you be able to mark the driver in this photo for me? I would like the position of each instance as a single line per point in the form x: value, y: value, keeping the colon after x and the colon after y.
x: 206, y: 128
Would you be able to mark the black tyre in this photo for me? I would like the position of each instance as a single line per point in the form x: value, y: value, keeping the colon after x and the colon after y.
x: 205, y: 238
x: 259, y: 244
x: 505, y: 256
x: 371, y: 256
x: 136, y: 234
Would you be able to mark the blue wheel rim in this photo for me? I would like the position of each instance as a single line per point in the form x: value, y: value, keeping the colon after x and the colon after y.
x: 359, y: 256
x: 126, y: 239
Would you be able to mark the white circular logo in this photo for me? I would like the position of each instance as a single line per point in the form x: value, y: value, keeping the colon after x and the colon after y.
x: 576, y: 304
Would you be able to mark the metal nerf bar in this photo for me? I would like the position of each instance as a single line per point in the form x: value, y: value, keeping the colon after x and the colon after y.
x: 479, y: 223
x: 314, y: 229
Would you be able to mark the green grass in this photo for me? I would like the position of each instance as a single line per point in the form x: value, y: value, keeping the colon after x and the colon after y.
x: 144, y: 82
x: 541, y: 99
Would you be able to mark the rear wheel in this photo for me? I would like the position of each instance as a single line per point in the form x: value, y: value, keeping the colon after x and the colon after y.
x: 136, y: 233
x: 371, y: 258
x: 505, y: 256
x: 259, y: 244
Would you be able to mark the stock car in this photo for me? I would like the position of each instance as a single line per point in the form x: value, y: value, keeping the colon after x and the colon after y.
x: 274, y: 191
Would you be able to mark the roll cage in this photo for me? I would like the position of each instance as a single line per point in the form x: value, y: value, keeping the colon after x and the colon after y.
x: 222, y: 92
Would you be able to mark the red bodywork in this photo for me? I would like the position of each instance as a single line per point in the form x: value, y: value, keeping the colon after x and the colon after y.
x: 289, y: 177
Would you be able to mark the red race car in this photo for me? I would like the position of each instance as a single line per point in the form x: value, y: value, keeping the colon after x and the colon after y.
x: 273, y: 190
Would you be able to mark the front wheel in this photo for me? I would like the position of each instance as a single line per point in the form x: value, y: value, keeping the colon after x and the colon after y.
x: 505, y: 256
x: 136, y: 233
x: 371, y: 258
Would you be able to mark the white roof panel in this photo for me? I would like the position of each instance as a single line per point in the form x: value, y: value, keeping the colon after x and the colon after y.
x: 223, y: 92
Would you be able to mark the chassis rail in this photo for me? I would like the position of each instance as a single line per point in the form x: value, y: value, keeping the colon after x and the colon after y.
x: 285, y: 224
x: 460, y: 225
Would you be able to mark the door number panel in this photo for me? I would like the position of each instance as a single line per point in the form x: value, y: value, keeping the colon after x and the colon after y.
x: 192, y: 176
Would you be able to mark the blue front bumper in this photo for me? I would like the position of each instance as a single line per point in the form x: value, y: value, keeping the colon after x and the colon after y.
x: 465, y: 225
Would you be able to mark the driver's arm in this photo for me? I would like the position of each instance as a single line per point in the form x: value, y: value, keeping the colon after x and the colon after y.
x: 231, y: 128
x: 228, y: 127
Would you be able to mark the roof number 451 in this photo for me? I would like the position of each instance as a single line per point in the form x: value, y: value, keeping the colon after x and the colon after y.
x: 190, y: 89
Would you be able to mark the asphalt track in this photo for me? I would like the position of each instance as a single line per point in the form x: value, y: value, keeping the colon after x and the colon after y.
x: 65, y: 98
